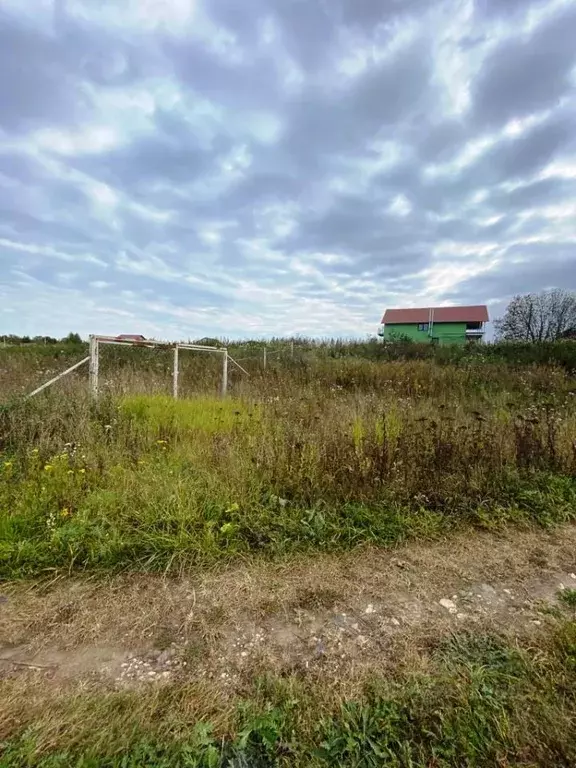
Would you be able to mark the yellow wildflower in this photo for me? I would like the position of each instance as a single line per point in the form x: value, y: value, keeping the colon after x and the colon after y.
x: 161, y: 442
x: 35, y: 451
x: 48, y: 467
x: 65, y: 512
x: 8, y: 464
x: 70, y: 471
x: 82, y: 471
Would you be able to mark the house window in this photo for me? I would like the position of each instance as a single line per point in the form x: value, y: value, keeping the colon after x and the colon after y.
x: 422, y: 326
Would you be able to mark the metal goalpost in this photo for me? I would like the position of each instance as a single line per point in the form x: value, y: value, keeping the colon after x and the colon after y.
x: 94, y: 358
x: 93, y: 361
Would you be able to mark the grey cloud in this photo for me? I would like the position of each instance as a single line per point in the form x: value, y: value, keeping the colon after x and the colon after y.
x: 34, y: 84
x: 541, y: 267
x: 520, y: 157
x: 151, y: 159
x: 322, y: 123
x: 438, y: 143
x: 362, y: 229
x: 496, y: 8
x: 43, y: 71
x: 243, y: 85
x: 527, y: 75
x: 538, y: 193
x: 326, y: 129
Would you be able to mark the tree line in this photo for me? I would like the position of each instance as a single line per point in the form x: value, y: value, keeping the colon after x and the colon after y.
x: 11, y: 338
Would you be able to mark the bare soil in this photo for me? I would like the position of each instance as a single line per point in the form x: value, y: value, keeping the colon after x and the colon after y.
x: 337, y: 617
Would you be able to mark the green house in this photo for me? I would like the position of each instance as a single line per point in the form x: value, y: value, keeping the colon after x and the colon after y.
x: 436, y: 325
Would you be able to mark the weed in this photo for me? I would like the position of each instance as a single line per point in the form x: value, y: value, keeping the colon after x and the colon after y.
x: 482, y: 702
x: 568, y: 597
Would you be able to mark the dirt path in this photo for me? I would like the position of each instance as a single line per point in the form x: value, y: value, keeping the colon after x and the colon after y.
x: 333, y: 616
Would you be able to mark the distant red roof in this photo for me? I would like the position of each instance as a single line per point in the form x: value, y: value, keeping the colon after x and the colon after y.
x: 477, y: 314
x: 131, y: 337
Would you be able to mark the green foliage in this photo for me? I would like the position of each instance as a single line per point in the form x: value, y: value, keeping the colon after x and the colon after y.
x: 568, y: 597
x: 481, y: 702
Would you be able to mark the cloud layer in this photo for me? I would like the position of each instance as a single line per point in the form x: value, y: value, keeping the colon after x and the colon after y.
x: 208, y: 167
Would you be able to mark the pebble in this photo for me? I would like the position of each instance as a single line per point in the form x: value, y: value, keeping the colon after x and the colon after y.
x: 395, y: 622
x: 370, y: 609
x: 448, y: 604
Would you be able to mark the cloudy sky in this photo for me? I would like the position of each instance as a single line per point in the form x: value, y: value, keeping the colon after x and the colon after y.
x: 258, y: 167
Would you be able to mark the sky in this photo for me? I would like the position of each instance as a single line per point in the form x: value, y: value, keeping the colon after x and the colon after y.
x: 253, y: 168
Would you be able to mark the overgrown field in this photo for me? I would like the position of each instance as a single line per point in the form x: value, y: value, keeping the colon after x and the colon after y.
x: 323, y: 453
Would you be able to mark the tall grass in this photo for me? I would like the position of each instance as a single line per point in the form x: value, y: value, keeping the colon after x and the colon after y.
x: 314, y: 455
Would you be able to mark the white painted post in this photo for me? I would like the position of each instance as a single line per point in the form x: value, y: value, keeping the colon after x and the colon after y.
x: 94, y: 365
x: 175, y: 373
x: 264, y: 358
x: 225, y: 373
x: 60, y: 375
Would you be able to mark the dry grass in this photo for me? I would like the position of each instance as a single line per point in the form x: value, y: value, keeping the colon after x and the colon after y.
x: 136, y: 613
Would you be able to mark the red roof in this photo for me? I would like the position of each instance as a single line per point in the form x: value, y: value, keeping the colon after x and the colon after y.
x: 131, y: 337
x: 477, y: 314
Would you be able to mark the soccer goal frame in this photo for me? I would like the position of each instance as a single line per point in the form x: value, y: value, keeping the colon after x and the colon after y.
x: 94, y: 358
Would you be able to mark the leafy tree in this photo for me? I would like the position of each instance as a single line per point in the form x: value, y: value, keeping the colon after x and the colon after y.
x: 536, y: 317
x: 73, y: 338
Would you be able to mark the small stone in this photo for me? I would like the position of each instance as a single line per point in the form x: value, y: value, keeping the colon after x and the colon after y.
x: 535, y: 621
x: 573, y: 575
x: 508, y: 591
x: 165, y: 674
x: 370, y: 609
x: 395, y: 622
x: 448, y: 604
x: 244, y: 654
x: 461, y: 616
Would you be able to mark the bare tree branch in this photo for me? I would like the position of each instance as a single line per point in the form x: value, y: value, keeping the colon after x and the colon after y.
x: 538, y: 317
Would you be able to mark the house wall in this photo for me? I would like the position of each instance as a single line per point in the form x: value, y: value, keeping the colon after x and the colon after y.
x: 444, y: 333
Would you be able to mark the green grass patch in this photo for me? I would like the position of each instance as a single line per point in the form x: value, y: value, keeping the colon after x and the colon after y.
x: 162, y: 414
